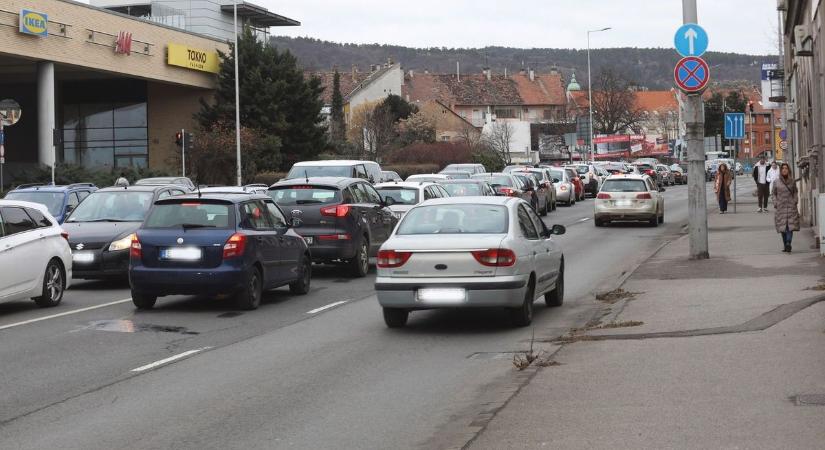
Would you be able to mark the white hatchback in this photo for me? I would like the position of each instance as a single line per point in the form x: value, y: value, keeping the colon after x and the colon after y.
x: 28, y: 233
x: 629, y: 198
x: 401, y: 197
x: 470, y: 252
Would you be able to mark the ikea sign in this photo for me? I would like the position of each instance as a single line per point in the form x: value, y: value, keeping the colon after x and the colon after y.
x: 34, y: 23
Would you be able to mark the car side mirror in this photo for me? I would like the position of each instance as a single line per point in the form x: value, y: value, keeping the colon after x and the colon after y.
x: 582, y: 177
x: 555, y: 180
x: 389, y: 201
x: 557, y: 230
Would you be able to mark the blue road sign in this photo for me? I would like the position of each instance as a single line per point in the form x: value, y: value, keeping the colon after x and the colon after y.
x: 734, y: 125
x: 691, y: 40
x: 691, y: 74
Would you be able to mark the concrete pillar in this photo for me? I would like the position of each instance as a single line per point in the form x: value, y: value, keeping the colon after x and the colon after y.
x: 45, y: 113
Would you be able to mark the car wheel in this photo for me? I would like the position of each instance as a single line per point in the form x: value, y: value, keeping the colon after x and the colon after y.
x: 654, y: 221
x: 555, y: 297
x: 249, y: 297
x: 545, y: 210
x: 662, y: 218
x: 523, y: 315
x: 598, y: 222
x: 301, y: 285
x: 360, y: 264
x: 395, y: 318
x: 143, y: 301
x: 54, y: 284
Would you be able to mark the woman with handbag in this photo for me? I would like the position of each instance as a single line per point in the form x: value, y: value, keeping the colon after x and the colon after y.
x: 785, y: 198
x: 722, y: 187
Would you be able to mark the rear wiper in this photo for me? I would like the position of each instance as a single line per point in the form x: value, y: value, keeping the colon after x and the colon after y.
x: 307, y: 202
x: 187, y: 226
x: 105, y: 220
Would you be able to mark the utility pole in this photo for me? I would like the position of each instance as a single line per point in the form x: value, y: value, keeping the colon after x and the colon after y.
x: 237, y: 98
x: 695, y: 126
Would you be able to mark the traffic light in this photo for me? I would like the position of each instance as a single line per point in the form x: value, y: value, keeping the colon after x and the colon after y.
x: 190, y: 141
x: 179, y: 139
x: 750, y: 105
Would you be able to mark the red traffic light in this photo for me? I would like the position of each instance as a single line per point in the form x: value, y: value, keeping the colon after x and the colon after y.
x: 179, y: 139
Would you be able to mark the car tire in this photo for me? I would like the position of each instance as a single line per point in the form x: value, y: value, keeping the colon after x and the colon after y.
x: 545, y: 210
x: 395, y: 317
x: 143, y: 301
x: 249, y: 297
x: 54, y: 284
x: 522, y: 316
x: 662, y: 218
x: 598, y: 222
x: 654, y: 221
x: 360, y: 264
x: 301, y: 285
x: 555, y: 298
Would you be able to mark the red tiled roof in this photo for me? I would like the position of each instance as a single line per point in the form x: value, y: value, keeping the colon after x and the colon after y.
x: 476, y: 89
x: 656, y: 100
x: 546, y: 89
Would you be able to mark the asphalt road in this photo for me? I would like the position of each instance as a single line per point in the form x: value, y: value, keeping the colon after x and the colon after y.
x: 90, y: 374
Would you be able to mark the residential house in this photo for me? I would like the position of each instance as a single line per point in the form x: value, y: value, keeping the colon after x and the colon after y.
x: 358, y: 88
x: 449, y: 126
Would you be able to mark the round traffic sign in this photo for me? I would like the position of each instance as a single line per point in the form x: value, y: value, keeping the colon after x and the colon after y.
x: 691, y: 40
x: 9, y: 112
x: 783, y: 145
x: 691, y: 74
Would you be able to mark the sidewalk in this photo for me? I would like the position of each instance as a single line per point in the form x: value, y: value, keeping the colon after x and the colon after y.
x: 707, y: 354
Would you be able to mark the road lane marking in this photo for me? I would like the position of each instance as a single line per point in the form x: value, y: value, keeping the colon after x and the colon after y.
x: 169, y: 359
x: 584, y: 219
x: 67, y: 313
x: 323, y: 308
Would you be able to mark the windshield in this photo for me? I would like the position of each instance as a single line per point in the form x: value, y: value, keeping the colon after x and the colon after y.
x: 402, y: 196
x: 457, y: 174
x: 582, y: 169
x: 320, y: 171
x: 113, y: 206
x: 557, y: 174
x: 305, y: 195
x: 463, y: 189
x: 189, y: 214
x: 455, y: 219
x: 53, y: 201
x: 496, y: 180
x: 624, y: 186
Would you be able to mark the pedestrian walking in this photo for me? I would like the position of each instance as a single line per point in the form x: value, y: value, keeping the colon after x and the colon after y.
x: 785, y: 198
x: 760, y: 176
x: 722, y: 187
x: 122, y: 181
x: 773, y: 174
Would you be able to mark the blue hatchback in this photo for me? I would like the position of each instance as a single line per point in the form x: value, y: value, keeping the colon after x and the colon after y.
x: 59, y: 200
x: 217, y: 244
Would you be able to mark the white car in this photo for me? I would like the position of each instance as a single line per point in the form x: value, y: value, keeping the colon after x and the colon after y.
x: 565, y: 189
x: 434, y: 177
x: 401, y: 197
x: 35, y: 259
x: 629, y: 198
x: 470, y: 252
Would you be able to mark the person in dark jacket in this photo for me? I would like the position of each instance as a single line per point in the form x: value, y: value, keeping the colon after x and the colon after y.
x: 760, y: 176
x: 722, y: 187
x: 785, y: 199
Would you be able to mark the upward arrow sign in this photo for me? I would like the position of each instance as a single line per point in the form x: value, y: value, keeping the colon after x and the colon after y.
x: 691, y: 36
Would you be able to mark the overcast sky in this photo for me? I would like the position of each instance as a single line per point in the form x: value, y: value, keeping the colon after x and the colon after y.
x: 743, y: 26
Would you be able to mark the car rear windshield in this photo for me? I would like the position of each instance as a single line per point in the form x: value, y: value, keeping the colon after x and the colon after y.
x: 462, y: 189
x: 644, y: 166
x: 305, y: 195
x: 455, y: 219
x: 53, y: 201
x: 320, y: 171
x: 189, y: 214
x: 557, y: 174
x: 582, y: 169
x: 624, y: 186
x: 499, y: 180
x: 113, y: 206
x: 401, y: 195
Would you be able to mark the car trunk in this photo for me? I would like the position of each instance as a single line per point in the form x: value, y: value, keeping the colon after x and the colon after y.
x: 444, y: 256
x: 198, y: 248
x: 319, y: 207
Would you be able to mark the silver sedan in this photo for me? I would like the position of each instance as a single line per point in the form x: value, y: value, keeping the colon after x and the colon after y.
x: 470, y: 252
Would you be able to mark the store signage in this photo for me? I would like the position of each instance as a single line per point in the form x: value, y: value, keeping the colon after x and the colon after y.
x: 123, y: 44
x: 34, y: 23
x: 192, y: 58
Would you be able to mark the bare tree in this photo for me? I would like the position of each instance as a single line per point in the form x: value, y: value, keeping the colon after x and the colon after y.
x: 666, y: 121
x: 614, y: 103
x: 472, y: 137
x: 499, y: 139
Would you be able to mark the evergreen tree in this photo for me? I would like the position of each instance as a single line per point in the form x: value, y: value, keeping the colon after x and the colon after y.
x: 337, y: 114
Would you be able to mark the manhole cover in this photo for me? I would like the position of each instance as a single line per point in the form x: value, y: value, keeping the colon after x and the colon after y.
x: 809, y: 400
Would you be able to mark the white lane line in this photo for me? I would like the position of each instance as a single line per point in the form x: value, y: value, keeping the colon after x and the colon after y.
x: 169, y: 359
x: 584, y: 219
x: 331, y: 305
x: 67, y: 313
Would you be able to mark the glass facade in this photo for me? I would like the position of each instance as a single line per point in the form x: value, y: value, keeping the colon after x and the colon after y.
x: 108, y: 129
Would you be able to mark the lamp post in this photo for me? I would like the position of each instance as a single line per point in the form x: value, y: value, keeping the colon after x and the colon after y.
x: 590, y: 94
x: 237, y: 98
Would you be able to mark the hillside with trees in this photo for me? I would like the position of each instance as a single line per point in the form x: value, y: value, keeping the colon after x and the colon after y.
x: 648, y: 67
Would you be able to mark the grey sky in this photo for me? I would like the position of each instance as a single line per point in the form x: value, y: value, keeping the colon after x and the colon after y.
x: 744, y: 26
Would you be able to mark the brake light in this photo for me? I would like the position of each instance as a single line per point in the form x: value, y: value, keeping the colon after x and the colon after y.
x: 495, y: 257
x: 135, y: 250
x: 603, y: 196
x: 335, y: 211
x: 65, y: 235
x: 644, y: 196
x: 190, y: 204
x: 563, y: 187
x: 235, y: 246
x: 334, y: 237
x: 388, y: 259
x: 508, y: 192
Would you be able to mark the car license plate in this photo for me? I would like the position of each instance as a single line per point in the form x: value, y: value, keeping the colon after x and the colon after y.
x: 83, y: 257
x: 181, y: 253
x: 623, y: 202
x: 309, y: 240
x: 452, y: 296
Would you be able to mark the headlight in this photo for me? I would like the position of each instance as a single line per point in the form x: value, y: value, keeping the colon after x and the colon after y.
x: 121, y: 244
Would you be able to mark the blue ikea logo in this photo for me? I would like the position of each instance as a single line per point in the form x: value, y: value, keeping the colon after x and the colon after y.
x: 34, y: 23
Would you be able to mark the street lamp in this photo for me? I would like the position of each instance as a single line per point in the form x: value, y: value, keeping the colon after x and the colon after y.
x: 590, y: 94
x: 237, y: 97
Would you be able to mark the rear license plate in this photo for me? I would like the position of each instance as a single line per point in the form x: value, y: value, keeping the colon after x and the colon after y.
x: 623, y: 202
x: 309, y: 240
x: 181, y: 253
x: 83, y: 257
x: 442, y: 295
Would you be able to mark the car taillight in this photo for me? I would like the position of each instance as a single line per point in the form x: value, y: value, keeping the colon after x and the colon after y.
x: 495, y: 257
x: 235, y: 246
x: 508, y: 192
x: 65, y: 235
x: 388, y: 259
x: 603, y: 196
x: 135, y: 250
x: 650, y: 173
x: 563, y: 187
x: 335, y: 211
x: 645, y: 196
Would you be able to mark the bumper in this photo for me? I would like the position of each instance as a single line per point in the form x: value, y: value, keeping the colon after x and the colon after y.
x: 480, y: 293
x: 563, y: 196
x: 105, y: 265
x: 182, y: 281
x: 322, y: 251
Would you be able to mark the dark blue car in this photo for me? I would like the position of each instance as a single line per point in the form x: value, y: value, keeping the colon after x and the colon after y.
x: 59, y: 200
x: 217, y: 244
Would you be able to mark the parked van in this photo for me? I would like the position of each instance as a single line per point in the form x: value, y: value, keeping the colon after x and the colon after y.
x: 367, y: 170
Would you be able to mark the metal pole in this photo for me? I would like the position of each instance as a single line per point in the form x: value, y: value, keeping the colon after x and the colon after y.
x: 237, y: 98
x: 2, y: 154
x: 697, y: 189
x: 735, y: 173
x: 590, y: 101
x: 183, y: 152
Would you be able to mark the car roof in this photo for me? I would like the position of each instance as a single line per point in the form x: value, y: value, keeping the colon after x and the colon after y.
x: 406, y: 184
x: 628, y: 176
x: 139, y: 188
x: 322, y: 181
x: 477, y: 180
x: 164, y: 180
x: 22, y: 204
x: 52, y: 187
x: 229, y: 197
x: 231, y: 189
x: 332, y: 162
x: 490, y: 200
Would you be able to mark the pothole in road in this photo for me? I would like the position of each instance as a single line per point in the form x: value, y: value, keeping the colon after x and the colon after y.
x: 128, y: 326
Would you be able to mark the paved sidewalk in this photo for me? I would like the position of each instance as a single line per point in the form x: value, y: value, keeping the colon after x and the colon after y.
x: 718, y: 352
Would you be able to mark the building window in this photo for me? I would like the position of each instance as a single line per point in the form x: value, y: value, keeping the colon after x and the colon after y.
x: 548, y: 114
x: 767, y: 137
x: 505, y: 113
x: 445, y: 138
x: 766, y: 118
